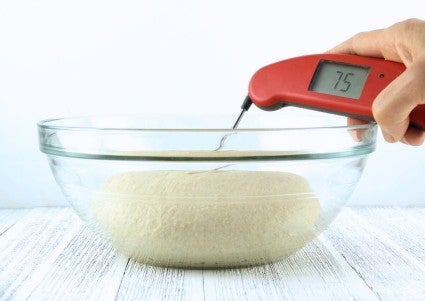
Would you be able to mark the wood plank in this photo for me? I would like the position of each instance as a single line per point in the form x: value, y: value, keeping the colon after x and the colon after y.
x: 415, y: 215
x: 144, y: 282
x: 40, y: 234
x: 316, y: 272
x: 389, y: 270
x: 313, y: 273
x: 87, y: 269
x: 366, y: 254
x: 401, y: 225
x: 8, y: 217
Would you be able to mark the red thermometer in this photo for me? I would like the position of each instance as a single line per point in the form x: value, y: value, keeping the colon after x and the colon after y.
x: 334, y: 83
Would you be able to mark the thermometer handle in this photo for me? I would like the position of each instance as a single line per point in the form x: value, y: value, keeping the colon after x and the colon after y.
x: 292, y: 82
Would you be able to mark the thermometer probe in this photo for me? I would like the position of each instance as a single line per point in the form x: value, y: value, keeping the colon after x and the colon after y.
x: 335, y: 83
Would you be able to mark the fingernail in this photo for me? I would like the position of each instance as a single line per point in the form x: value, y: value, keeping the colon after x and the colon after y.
x: 403, y: 140
x: 388, y: 137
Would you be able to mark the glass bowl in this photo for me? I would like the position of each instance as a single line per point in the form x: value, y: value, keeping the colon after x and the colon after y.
x: 163, y: 191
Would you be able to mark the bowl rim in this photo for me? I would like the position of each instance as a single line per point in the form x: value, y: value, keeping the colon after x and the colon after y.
x: 49, y: 128
x: 47, y: 124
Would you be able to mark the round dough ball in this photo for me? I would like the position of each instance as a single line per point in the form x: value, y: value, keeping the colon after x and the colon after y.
x: 207, y: 218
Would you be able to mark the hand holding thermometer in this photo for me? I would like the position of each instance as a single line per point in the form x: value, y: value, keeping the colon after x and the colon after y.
x: 335, y: 83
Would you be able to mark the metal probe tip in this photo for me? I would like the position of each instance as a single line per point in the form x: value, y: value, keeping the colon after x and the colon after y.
x: 245, y: 106
x: 238, y: 120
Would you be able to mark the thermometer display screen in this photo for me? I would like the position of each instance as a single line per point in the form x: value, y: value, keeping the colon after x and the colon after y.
x: 339, y: 79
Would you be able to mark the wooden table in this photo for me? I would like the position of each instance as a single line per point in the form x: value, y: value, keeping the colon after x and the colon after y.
x: 366, y: 254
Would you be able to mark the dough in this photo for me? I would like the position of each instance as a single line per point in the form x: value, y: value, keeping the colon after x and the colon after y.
x: 206, y: 218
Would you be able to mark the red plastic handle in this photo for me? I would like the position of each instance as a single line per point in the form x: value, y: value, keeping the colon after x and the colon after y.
x: 287, y: 83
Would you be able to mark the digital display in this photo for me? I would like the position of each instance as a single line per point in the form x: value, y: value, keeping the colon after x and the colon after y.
x: 339, y: 79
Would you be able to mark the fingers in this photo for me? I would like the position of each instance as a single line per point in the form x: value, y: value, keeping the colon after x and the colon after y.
x: 413, y: 136
x: 402, y: 42
x: 356, y: 134
x: 393, y: 105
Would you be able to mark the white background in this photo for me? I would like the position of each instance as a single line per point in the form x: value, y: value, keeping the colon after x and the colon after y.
x: 67, y: 58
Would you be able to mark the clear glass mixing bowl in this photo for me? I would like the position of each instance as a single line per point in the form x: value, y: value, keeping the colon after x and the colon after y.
x: 159, y: 189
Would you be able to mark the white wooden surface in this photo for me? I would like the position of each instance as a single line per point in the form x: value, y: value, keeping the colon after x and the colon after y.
x: 366, y: 254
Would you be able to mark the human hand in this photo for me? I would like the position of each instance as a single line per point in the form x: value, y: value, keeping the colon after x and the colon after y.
x: 402, y: 42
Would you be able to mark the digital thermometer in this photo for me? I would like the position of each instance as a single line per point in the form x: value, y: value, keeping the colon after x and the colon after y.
x: 334, y: 83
